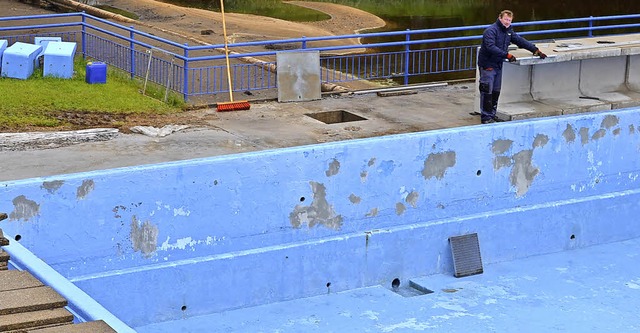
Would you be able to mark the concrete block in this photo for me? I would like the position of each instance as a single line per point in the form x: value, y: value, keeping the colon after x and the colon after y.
x: 18, y: 60
x: 600, y: 75
x: 97, y: 326
x: 58, y: 59
x: 596, y: 53
x: 576, y: 105
x: 620, y: 100
x: 630, y: 50
x: 555, y: 80
x: 19, y: 322
x: 516, y: 83
x: 14, y: 279
x: 526, y: 110
x: 298, y: 76
x: 44, y: 42
x: 30, y: 299
x: 633, y: 73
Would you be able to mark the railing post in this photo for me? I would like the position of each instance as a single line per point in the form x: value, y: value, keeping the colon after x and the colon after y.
x: 132, y: 45
x: 304, y: 42
x: 185, y: 81
x: 407, y: 49
x: 590, y: 26
x: 84, y: 33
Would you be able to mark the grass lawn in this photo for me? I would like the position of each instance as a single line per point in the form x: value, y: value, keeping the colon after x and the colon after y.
x: 46, y: 102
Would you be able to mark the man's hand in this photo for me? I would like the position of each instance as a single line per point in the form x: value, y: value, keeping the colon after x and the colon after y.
x: 511, y: 57
x: 539, y: 54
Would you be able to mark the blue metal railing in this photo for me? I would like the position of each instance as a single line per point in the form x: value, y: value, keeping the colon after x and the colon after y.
x: 199, y: 71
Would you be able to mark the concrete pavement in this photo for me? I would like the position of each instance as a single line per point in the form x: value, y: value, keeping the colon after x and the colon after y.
x: 268, y: 125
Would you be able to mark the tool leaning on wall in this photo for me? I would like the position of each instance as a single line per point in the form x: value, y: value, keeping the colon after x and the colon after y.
x: 231, y: 105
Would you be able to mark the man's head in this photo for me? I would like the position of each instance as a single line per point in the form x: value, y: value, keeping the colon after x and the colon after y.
x: 506, y: 16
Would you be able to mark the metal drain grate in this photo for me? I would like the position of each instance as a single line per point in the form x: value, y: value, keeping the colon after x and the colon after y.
x: 466, y: 255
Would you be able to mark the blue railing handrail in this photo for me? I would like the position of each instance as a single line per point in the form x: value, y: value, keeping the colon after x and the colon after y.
x: 193, y: 64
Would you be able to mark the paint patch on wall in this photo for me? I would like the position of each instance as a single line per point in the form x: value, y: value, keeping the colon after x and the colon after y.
x: 400, y: 208
x: 599, y: 134
x: 569, y: 134
x: 412, y: 199
x: 632, y: 129
x: 363, y: 176
x: 541, y: 140
x: 144, y: 237
x: 500, y: 147
x: 52, y: 186
x: 372, y: 213
x: 84, y: 189
x: 523, y: 172
x: 609, y: 121
x: 584, y: 135
x: 334, y: 168
x: 500, y: 162
x: 24, y: 209
x: 319, y: 212
x: 354, y: 199
x: 436, y: 164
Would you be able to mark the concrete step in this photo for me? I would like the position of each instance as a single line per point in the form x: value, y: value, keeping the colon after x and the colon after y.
x: 98, y: 326
x: 13, y: 280
x: 35, y: 319
x: 30, y: 299
x: 4, y: 260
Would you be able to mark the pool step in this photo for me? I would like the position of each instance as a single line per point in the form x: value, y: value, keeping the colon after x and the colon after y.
x: 28, y: 306
x: 35, y: 319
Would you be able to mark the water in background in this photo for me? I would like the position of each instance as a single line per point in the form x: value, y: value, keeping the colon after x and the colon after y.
x: 428, y: 14
x: 423, y: 14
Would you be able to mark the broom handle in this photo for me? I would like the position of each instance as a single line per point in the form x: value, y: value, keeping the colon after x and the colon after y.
x: 226, y: 50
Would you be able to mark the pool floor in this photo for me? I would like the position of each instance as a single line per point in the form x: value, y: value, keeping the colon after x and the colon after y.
x: 595, y: 289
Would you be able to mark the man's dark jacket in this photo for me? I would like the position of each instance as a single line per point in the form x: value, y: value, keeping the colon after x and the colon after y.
x: 495, y: 45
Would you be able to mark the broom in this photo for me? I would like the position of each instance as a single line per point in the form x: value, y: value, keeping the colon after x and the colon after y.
x: 237, y: 105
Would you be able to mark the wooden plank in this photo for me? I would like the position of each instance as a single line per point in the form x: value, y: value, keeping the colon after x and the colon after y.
x: 31, y: 299
x: 98, y: 326
x: 35, y: 319
x: 13, y: 279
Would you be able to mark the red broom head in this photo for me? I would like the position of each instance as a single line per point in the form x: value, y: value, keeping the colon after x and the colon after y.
x: 233, y: 106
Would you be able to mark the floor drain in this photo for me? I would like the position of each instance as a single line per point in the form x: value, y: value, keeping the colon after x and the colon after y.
x: 410, y: 290
x: 334, y: 117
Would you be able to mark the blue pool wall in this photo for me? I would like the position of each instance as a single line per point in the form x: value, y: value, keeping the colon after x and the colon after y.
x: 168, y: 241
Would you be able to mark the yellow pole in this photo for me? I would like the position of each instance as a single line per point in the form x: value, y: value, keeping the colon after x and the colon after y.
x: 226, y: 50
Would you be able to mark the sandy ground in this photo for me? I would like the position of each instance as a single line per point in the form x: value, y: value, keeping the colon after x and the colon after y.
x: 193, y: 22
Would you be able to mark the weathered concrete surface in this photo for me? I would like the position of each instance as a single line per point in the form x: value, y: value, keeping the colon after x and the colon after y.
x: 98, y: 326
x: 267, y: 125
x: 35, y: 319
x: 30, y: 299
x: 13, y: 280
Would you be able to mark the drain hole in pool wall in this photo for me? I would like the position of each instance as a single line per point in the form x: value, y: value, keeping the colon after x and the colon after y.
x: 17, y: 238
x: 409, y: 290
x: 302, y: 199
x: 573, y: 237
x: 335, y: 117
x: 395, y: 284
x: 183, y: 308
x: 478, y: 173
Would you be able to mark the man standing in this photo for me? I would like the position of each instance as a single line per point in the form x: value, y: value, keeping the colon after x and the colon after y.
x: 494, y: 49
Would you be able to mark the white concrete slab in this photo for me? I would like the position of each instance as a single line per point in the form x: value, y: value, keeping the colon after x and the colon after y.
x: 526, y: 110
